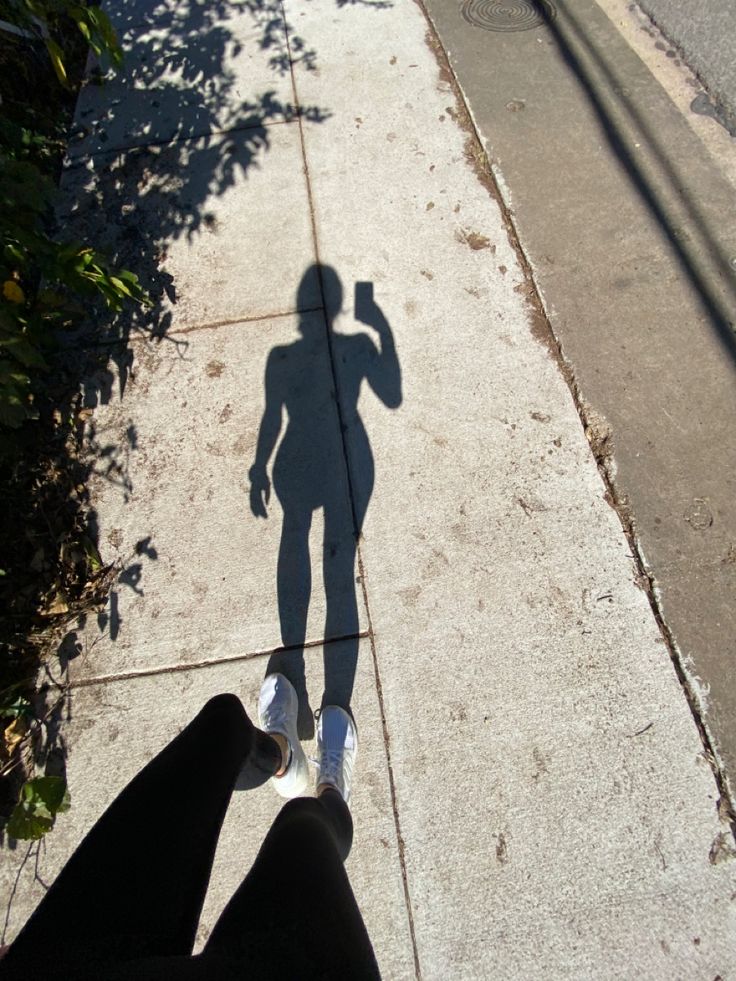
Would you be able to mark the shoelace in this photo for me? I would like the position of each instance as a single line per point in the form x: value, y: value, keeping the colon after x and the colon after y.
x: 333, y: 758
x: 332, y: 762
x: 275, y: 718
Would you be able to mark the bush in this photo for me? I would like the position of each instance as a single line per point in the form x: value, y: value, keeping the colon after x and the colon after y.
x: 44, y: 280
x: 47, y: 283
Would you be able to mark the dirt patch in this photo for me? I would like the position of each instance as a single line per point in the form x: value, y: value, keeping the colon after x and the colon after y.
x: 214, y: 369
x: 474, y: 240
x: 599, y: 435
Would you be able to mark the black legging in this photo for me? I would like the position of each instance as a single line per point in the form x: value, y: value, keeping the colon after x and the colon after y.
x: 128, y: 902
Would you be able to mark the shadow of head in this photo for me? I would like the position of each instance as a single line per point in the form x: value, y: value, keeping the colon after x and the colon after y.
x: 320, y: 284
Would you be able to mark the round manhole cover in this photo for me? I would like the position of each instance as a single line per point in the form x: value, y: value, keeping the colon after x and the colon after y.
x: 515, y: 15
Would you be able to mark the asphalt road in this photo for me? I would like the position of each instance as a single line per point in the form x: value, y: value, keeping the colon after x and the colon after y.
x: 705, y: 34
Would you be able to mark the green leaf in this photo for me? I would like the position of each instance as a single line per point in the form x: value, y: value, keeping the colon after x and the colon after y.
x: 120, y: 285
x: 57, y: 60
x: 93, y: 556
x: 26, y: 825
x: 12, y: 251
x: 47, y: 793
x: 14, y: 412
x: 41, y: 799
x: 128, y: 275
x: 23, y: 351
x: 18, y: 706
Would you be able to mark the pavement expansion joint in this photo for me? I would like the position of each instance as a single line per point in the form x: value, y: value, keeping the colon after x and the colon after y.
x: 359, y: 556
x: 231, y: 322
x: 144, y: 337
x: 216, y: 662
x: 400, y: 843
x: 82, y: 158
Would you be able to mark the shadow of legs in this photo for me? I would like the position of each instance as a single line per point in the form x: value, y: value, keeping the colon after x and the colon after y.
x: 294, y: 587
x: 340, y: 661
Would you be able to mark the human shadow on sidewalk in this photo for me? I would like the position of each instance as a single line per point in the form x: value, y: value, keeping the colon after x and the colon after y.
x: 309, y: 378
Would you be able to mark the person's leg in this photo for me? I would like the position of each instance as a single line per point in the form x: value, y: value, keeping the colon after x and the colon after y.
x: 295, y: 915
x: 136, y: 884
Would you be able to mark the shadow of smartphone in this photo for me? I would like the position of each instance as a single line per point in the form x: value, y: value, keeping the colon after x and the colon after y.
x: 364, y: 302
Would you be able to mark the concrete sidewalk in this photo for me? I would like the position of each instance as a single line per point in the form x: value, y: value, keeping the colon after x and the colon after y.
x: 531, y: 796
x: 624, y: 211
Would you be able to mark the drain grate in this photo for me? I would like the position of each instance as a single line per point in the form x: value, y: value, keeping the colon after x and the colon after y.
x: 515, y: 15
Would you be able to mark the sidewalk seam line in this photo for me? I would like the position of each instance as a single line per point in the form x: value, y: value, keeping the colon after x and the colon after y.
x: 401, y: 845
x: 82, y: 158
x: 143, y: 337
x: 358, y: 552
x: 232, y: 322
x: 214, y: 662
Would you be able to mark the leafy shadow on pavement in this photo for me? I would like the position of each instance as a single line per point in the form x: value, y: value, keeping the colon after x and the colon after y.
x: 178, y: 129
x: 323, y: 462
x: 185, y: 131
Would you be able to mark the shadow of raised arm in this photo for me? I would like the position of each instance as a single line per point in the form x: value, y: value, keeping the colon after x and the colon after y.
x: 384, y: 372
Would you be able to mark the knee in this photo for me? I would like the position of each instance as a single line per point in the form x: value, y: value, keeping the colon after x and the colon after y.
x: 302, y: 816
x: 299, y: 809
x: 225, y: 705
x: 226, y: 712
x: 325, y: 826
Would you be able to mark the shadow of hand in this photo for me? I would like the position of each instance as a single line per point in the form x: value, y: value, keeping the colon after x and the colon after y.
x: 367, y: 311
x: 260, y: 491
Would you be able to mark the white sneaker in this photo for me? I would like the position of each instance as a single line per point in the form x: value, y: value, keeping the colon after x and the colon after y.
x: 278, y: 707
x: 337, y: 745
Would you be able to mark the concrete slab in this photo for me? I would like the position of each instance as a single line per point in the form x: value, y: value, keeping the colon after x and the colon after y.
x: 214, y: 72
x: 528, y: 693
x: 203, y: 222
x: 113, y: 729
x: 628, y: 224
x: 171, y: 491
x: 705, y: 631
